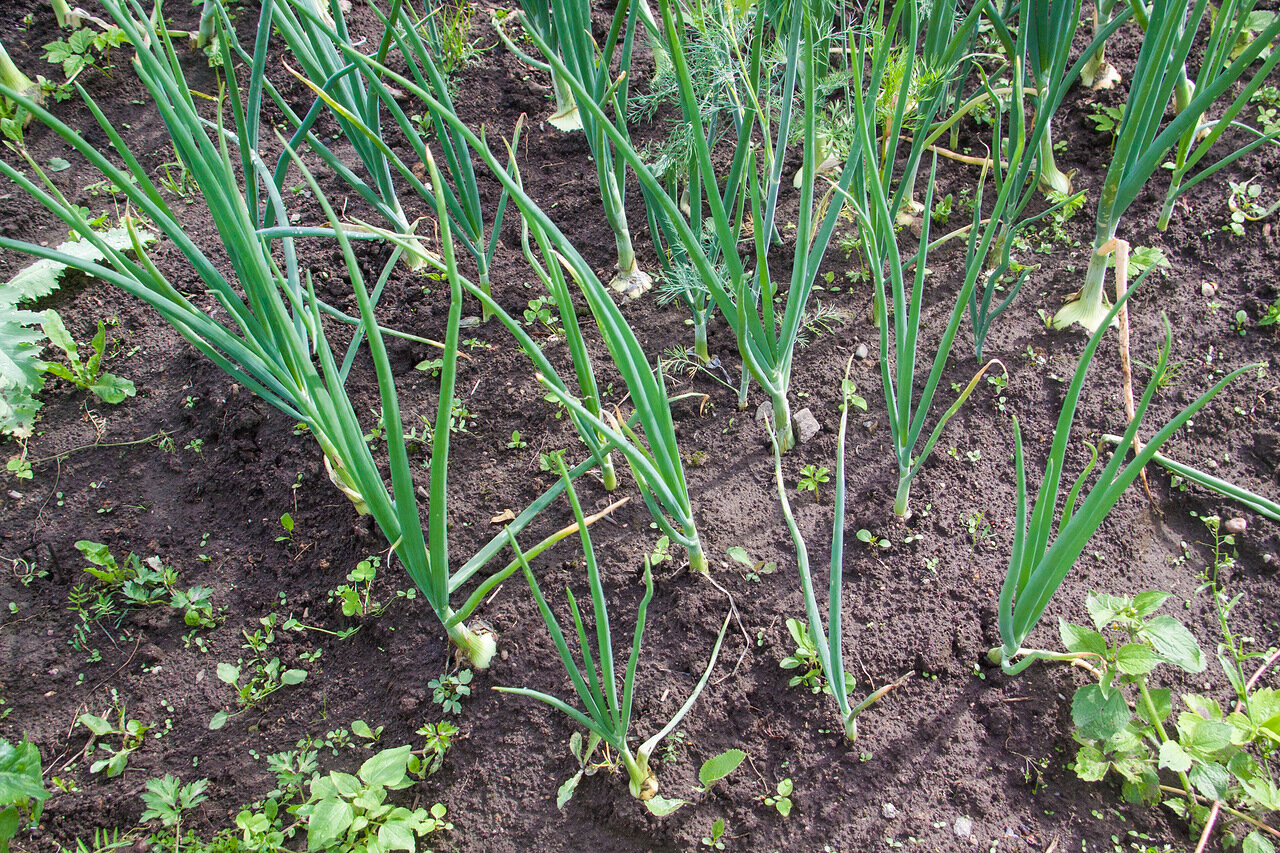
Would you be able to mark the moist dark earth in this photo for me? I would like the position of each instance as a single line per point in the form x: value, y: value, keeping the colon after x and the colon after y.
x: 198, y: 471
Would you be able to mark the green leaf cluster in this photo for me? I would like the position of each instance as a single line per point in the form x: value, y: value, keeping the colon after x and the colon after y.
x: 21, y: 368
x: 1134, y: 731
x: 22, y: 789
x: 350, y: 814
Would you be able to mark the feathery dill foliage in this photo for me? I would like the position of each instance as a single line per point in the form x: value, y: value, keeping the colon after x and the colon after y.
x: 714, y: 50
x: 682, y: 281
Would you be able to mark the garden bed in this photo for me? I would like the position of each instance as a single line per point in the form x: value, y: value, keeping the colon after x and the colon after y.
x: 199, y: 472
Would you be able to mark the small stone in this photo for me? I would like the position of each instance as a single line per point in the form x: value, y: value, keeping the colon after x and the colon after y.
x: 764, y: 411
x: 963, y: 827
x: 889, y: 810
x: 1268, y: 559
x: 1235, y: 526
x: 861, y: 351
x: 1208, y: 289
x: 806, y: 425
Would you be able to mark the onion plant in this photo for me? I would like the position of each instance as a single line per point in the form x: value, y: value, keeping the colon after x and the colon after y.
x: 1230, y: 29
x: 606, y: 714
x: 12, y: 77
x: 304, y: 25
x: 414, y: 37
x: 1142, y: 144
x: 725, y: 86
x: 272, y: 339
x: 62, y: 11
x: 1049, y: 27
x: 899, y: 294
x: 828, y: 639
x: 1041, y: 559
x: 1021, y: 152
x: 537, y: 16
x: 654, y: 459
x: 563, y: 27
x: 745, y: 298
x: 206, y: 29
x: 1097, y: 72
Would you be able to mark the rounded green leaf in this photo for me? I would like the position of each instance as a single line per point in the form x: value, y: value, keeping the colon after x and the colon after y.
x: 328, y: 822
x: 294, y: 676
x: 387, y: 768
x: 719, y: 766
x: 663, y: 806
x: 1091, y: 765
x: 1136, y: 659
x: 1174, y: 643
x: 95, y: 724
x: 1174, y: 757
x: 219, y: 720
x: 228, y: 673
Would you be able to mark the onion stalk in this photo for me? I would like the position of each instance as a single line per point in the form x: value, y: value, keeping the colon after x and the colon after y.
x: 11, y: 76
x: 1021, y: 152
x: 563, y: 28
x: 655, y: 461
x: 1040, y: 559
x: 874, y: 205
x: 1142, y: 145
x: 1253, y: 502
x: 607, y: 714
x: 68, y: 18
x: 828, y: 639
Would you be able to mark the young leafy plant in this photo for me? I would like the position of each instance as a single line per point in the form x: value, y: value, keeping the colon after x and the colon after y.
x: 87, y: 375
x: 351, y: 813
x: 1128, y: 728
x: 22, y: 791
x: 129, y: 732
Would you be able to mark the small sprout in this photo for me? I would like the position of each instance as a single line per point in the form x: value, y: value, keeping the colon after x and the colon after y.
x: 873, y: 540
x: 449, y: 690
x: 782, y: 799
x: 517, y: 441
x: 811, y: 477
x: 714, y: 839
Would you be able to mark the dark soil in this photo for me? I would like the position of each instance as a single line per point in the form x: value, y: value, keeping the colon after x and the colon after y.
x: 958, y: 739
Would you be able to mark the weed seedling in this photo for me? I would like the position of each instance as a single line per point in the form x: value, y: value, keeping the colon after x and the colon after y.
x: 811, y: 477
x: 781, y: 798
x: 872, y: 540
x: 166, y: 799
x: 438, y: 737
x: 130, y: 733
x: 714, y: 840
x: 805, y: 658
x: 448, y: 691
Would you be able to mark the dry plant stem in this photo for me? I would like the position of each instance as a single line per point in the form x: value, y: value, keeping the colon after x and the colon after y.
x: 1169, y: 789
x: 1121, y: 249
x: 1208, y: 827
x: 954, y: 155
